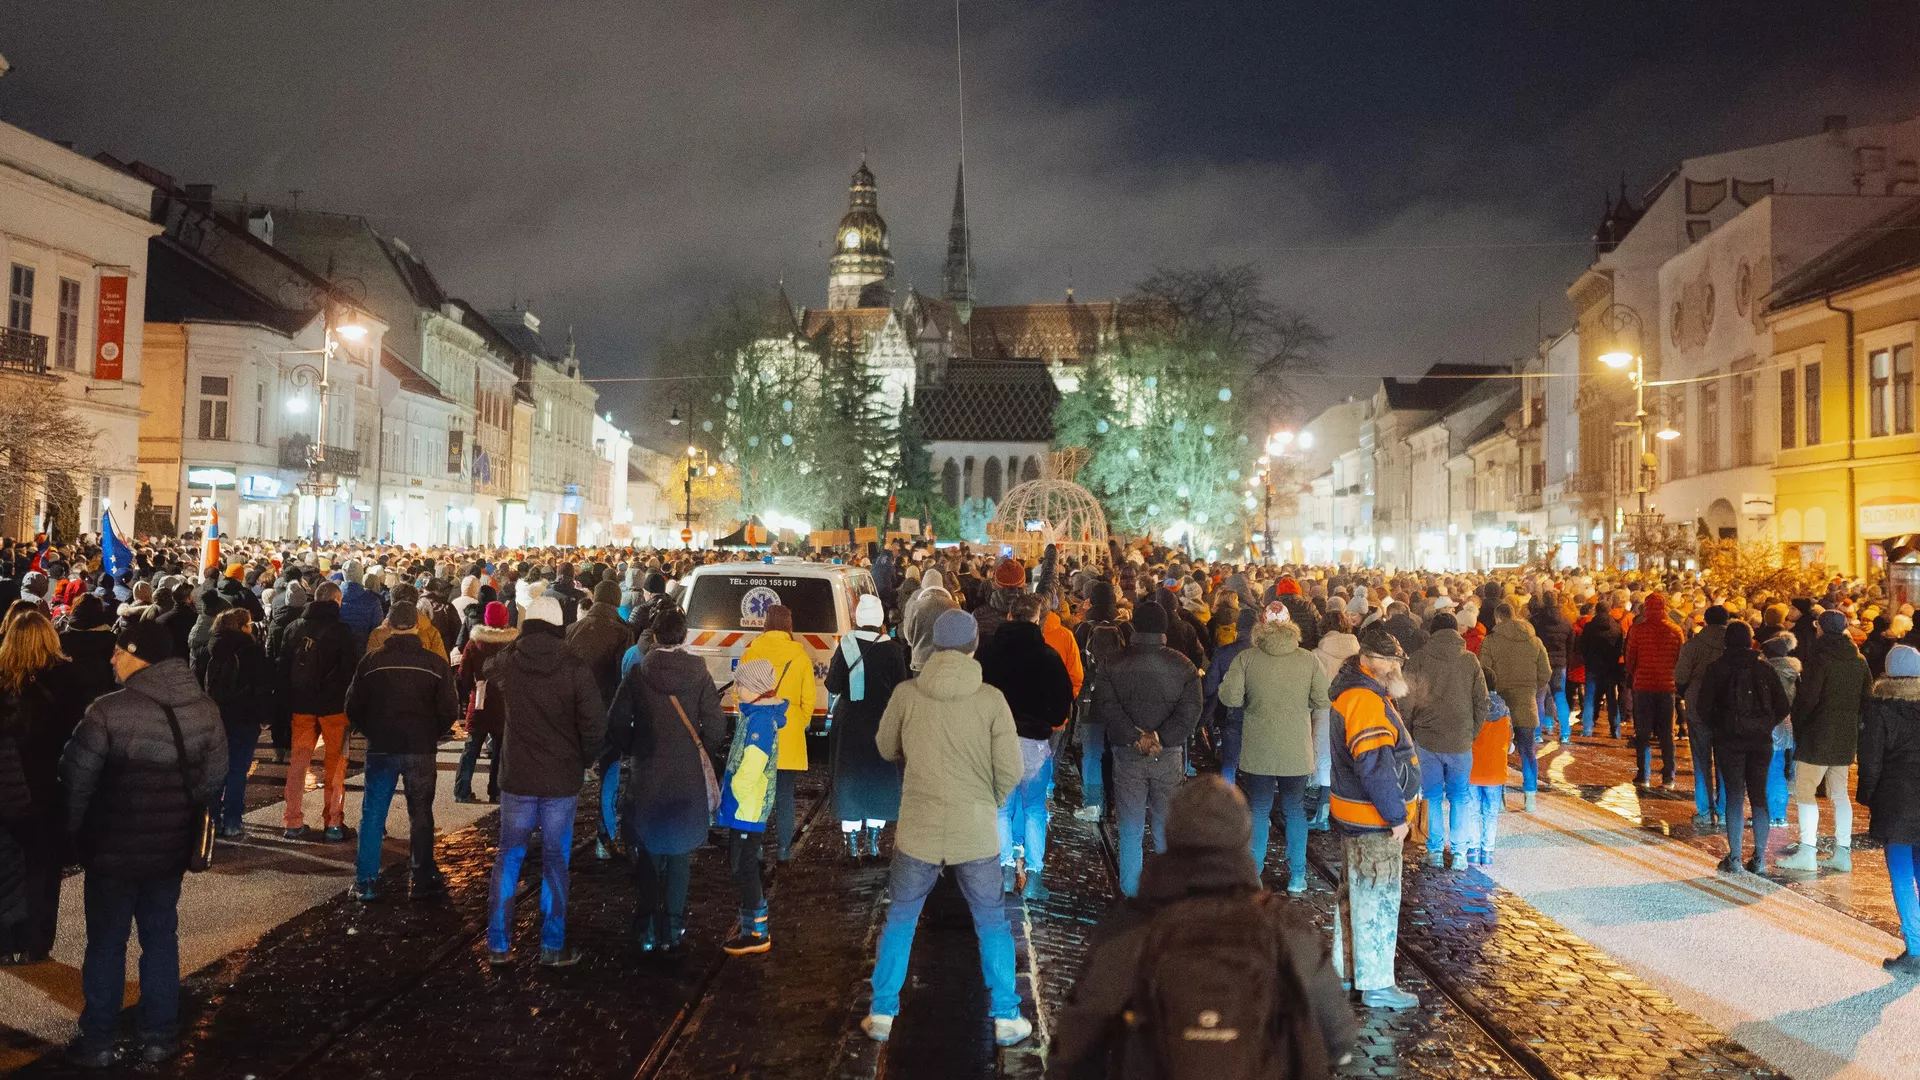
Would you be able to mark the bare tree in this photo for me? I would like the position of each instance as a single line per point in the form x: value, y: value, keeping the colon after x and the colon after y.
x: 42, y: 442
x: 1226, y: 311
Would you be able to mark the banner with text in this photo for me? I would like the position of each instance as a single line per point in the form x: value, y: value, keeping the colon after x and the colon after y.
x: 110, y: 330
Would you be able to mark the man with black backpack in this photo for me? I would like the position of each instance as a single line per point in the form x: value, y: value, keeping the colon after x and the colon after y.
x: 1741, y: 700
x: 1204, y: 974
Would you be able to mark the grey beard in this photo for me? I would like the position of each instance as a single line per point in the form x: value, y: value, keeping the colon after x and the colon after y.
x: 1397, y: 686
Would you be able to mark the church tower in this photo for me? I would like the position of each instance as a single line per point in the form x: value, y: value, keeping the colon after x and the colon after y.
x: 959, y: 270
x: 860, y: 273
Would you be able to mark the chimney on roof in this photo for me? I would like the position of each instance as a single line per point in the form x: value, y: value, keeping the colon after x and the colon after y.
x: 1834, y: 123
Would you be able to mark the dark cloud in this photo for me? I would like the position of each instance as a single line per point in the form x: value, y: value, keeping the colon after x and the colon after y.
x: 1420, y: 178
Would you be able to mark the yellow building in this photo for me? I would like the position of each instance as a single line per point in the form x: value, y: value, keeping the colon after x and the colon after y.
x: 1848, y: 472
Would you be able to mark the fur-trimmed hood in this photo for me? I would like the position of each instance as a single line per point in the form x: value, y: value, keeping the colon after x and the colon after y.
x: 503, y: 636
x: 1897, y: 689
x: 1276, y: 638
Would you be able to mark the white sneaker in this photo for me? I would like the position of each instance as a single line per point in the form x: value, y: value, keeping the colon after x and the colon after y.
x: 1009, y: 1032
x: 878, y: 1027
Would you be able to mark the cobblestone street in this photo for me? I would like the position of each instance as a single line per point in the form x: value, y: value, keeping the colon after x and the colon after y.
x: 399, y: 989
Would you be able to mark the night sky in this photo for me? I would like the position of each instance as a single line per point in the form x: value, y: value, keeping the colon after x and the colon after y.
x: 1420, y: 178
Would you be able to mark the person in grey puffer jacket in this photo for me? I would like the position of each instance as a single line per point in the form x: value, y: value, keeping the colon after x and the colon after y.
x: 1444, y: 708
x: 135, y: 800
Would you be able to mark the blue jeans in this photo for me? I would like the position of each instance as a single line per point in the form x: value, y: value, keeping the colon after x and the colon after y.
x: 1093, y: 764
x: 1780, y: 784
x: 1443, y: 779
x: 519, y: 816
x: 1140, y: 784
x: 610, y: 801
x: 1551, y: 705
x: 1291, y: 791
x: 112, y: 906
x: 1484, y: 803
x: 231, y: 802
x: 1526, y: 744
x: 383, y: 772
x: 1023, y: 820
x: 1906, y: 895
x: 908, y: 885
x: 1232, y: 727
x: 1709, y: 787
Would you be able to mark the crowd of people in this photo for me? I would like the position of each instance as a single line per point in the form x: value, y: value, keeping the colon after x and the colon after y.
x: 133, y: 700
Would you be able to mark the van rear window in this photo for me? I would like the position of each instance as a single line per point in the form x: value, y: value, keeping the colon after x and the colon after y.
x: 740, y: 602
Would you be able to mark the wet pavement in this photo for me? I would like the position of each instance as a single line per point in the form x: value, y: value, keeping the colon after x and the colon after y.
x: 400, y: 989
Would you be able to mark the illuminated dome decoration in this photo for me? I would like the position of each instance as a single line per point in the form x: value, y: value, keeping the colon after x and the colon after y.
x: 1051, y: 511
x: 861, y: 269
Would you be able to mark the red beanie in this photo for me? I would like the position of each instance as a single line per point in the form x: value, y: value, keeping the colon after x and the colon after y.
x: 495, y: 615
x: 1287, y: 587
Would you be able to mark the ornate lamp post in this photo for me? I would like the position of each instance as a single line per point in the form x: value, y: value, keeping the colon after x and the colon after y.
x: 1625, y: 334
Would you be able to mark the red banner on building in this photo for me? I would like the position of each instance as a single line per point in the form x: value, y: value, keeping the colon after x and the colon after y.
x: 110, y: 336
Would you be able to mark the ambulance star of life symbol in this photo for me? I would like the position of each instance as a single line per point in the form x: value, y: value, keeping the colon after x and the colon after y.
x: 754, y: 605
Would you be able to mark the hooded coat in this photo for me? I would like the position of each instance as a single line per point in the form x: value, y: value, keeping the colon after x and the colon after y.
x: 916, y: 624
x: 1556, y: 634
x: 1653, y: 647
x: 1602, y: 645
x: 956, y: 739
x: 484, y: 643
x: 1690, y: 667
x: 1024, y: 668
x: 600, y: 639
x: 667, y: 790
x: 555, y: 719
x: 1516, y: 667
x: 361, y: 611
x: 128, y: 811
x: 1446, y: 698
x: 1278, y: 686
x: 866, y: 786
x: 1406, y: 631
x: 1717, y: 702
x: 1890, y: 761
x: 793, y: 668
x: 322, y: 692
x: 1834, y: 689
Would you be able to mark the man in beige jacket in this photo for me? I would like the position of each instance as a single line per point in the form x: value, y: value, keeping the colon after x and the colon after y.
x: 961, y: 753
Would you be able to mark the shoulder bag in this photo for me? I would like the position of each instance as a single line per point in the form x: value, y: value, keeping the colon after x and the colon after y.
x: 200, y: 854
x: 706, y: 763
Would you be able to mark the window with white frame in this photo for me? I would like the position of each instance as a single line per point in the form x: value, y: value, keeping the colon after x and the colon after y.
x: 214, y: 400
x: 20, y: 298
x: 66, y: 330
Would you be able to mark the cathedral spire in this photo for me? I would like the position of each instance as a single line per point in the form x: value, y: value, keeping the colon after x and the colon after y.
x: 959, y: 271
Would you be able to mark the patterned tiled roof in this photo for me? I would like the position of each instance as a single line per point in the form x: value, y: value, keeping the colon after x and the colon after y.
x: 1056, y: 333
x: 989, y: 401
x: 860, y: 322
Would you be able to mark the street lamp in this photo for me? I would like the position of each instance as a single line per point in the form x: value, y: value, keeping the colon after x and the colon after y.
x: 682, y: 413
x: 1619, y: 322
x: 1277, y: 444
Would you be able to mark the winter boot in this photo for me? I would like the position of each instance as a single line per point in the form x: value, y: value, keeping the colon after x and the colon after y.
x: 1802, y: 857
x: 873, y: 840
x: 1007, y: 878
x: 1527, y: 802
x: 853, y: 844
x: 1841, y: 861
x: 753, y: 936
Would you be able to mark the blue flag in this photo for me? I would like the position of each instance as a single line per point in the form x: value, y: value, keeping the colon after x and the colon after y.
x: 115, y: 555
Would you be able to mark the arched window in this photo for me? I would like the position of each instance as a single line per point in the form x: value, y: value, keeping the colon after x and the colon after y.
x: 1030, y: 471
x: 969, y: 487
x: 950, y: 482
x: 990, y: 486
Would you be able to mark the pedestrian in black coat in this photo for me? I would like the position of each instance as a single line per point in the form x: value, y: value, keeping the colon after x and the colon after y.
x: 1890, y: 787
x: 1741, y: 700
x: 318, y: 687
x: 235, y: 674
x: 41, y: 699
x: 178, y: 621
x: 866, y: 786
x: 88, y: 642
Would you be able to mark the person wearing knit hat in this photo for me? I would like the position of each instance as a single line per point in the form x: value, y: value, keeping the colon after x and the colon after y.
x: 865, y: 668
x: 1009, y: 581
x: 1740, y: 700
x: 956, y: 738
x: 1375, y: 782
x: 601, y: 639
x: 1890, y: 788
x: 798, y: 688
x: 485, y: 715
x: 1826, y: 735
x: 748, y: 792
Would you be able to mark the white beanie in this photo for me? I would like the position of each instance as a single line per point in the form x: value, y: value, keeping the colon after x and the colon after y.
x: 869, y: 612
x: 546, y: 609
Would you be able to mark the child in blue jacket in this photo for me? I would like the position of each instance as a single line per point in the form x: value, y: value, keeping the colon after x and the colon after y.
x: 746, y: 797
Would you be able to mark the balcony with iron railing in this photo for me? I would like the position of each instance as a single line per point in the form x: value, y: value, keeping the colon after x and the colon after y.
x: 22, y: 352
x: 297, y: 454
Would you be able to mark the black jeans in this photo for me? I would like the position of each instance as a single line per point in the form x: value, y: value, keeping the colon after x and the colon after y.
x: 1602, y: 690
x: 743, y: 857
x: 1653, y: 720
x: 783, y: 811
x: 470, y: 761
x: 1743, y: 769
x: 660, y: 885
x: 40, y: 855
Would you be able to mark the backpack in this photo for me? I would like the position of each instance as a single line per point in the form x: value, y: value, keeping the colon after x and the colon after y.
x: 309, y: 662
x: 1215, y: 996
x: 223, y: 677
x: 1751, y: 713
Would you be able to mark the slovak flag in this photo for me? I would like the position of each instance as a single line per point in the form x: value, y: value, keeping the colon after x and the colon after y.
x: 40, y: 547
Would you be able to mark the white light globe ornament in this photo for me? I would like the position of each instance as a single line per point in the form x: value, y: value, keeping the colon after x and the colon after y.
x: 1183, y: 491
x: 1133, y: 453
x: 1100, y: 426
x: 753, y: 440
x: 706, y: 425
x: 1152, y: 509
x: 1207, y: 431
x: 1226, y: 394
x: 786, y: 440
x: 1179, y: 427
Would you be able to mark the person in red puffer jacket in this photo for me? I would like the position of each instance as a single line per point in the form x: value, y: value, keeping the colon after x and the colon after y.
x: 1652, y: 647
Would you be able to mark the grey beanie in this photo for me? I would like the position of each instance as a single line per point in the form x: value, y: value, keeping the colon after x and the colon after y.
x: 955, y: 630
x: 1833, y: 622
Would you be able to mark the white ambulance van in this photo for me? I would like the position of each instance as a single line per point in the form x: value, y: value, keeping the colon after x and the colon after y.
x: 726, y: 606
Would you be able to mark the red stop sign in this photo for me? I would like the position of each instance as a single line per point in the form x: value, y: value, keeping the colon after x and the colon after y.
x: 686, y: 536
